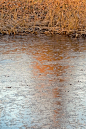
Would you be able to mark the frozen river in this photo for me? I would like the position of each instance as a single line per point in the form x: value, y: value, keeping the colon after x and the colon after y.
x: 42, y: 82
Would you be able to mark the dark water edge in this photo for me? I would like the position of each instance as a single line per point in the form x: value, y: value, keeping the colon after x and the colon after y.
x: 42, y: 82
x: 47, y: 31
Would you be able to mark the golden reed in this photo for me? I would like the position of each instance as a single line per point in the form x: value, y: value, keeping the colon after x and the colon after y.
x: 56, y: 16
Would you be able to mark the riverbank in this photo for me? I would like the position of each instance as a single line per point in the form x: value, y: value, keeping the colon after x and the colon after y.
x: 41, y: 16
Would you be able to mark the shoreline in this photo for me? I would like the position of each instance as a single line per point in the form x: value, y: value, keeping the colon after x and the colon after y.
x: 43, y: 30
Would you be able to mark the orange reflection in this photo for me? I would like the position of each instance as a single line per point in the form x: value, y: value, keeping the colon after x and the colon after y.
x: 56, y: 93
x: 46, y: 63
x: 57, y: 111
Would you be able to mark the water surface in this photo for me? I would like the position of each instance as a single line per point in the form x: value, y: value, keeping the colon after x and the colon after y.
x: 42, y: 82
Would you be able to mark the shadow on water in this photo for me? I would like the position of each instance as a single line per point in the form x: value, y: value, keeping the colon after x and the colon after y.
x: 42, y: 82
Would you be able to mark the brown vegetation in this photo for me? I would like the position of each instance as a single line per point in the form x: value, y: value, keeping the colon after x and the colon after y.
x: 44, y: 16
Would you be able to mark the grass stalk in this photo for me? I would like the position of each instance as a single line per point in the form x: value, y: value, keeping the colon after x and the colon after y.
x: 68, y: 15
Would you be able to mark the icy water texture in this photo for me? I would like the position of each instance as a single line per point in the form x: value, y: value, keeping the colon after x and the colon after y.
x: 42, y: 82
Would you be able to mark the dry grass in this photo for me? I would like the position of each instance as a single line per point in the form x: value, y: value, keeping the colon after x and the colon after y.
x: 53, y: 16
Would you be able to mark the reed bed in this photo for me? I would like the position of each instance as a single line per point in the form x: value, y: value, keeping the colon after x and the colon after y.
x: 43, y: 16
